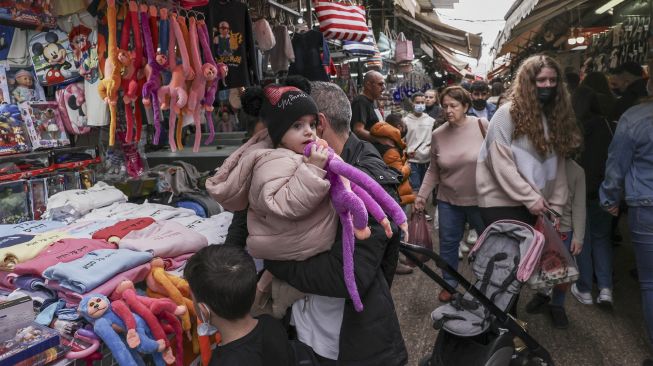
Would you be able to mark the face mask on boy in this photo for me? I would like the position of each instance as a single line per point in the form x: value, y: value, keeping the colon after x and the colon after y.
x: 419, y: 108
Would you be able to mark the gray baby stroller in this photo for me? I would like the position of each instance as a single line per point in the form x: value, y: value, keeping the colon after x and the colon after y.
x: 475, y: 328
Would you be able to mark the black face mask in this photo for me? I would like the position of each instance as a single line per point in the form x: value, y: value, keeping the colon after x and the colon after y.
x: 546, y: 95
x: 479, y: 104
x: 617, y: 92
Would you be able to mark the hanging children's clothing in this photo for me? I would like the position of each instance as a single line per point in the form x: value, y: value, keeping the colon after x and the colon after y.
x: 282, y: 54
x: 308, y: 56
x: 230, y: 28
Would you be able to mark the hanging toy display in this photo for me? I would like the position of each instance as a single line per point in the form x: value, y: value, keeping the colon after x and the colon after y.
x: 173, y: 96
x: 204, y: 73
x: 156, y: 63
x: 110, y: 85
x: 133, y: 63
x: 212, y: 88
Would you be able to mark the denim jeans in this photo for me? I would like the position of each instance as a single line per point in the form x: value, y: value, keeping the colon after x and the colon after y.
x: 417, y: 173
x: 452, y: 220
x: 596, y: 256
x: 560, y: 291
x: 640, y: 220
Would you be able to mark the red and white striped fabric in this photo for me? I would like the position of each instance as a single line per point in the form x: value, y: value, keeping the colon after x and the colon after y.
x: 342, y: 21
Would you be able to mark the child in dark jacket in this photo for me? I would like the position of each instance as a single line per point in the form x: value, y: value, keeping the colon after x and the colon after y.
x: 222, y: 280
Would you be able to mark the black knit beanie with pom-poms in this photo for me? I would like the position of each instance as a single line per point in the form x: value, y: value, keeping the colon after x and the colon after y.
x: 279, y: 106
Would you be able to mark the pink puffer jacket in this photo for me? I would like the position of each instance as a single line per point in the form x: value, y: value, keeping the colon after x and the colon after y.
x: 290, y: 216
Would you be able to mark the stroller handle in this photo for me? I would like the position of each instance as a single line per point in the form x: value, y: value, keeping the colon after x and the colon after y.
x: 506, y: 321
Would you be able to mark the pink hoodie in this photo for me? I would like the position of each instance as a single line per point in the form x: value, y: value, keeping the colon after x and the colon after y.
x: 64, y: 250
x: 164, y: 239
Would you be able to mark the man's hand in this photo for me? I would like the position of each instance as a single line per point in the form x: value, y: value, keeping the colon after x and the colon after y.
x: 319, y: 156
x: 614, y: 210
x: 576, y: 247
x: 538, y: 208
x: 419, y: 204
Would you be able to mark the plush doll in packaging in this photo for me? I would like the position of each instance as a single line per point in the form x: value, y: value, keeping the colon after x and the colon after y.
x: 125, y: 333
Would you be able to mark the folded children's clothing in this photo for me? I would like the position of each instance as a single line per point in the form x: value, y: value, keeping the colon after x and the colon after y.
x: 122, y: 228
x: 72, y: 298
x: 11, y: 240
x: 30, y: 227
x: 86, y: 228
x: 83, y: 201
x: 214, y: 228
x: 164, y: 239
x: 19, y: 253
x: 114, y: 211
x: 61, y: 251
x: 95, y: 268
x: 30, y: 282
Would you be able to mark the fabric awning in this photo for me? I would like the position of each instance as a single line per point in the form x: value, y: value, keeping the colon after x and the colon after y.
x: 526, y: 18
x: 450, y: 57
x: 443, y: 34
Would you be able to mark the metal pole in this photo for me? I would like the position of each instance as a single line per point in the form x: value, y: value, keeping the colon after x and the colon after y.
x: 309, y: 10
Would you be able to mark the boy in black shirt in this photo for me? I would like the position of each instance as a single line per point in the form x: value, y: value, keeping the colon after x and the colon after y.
x: 222, y: 280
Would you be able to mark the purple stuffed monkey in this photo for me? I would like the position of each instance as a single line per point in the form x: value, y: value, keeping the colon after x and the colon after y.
x: 352, y: 206
x: 156, y: 63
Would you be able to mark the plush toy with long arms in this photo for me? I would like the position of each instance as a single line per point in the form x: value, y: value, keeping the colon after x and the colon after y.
x: 153, y: 311
x: 174, y: 94
x: 109, y: 85
x: 204, y: 73
x: 352, y: 204
x: 112, y: 319
x: 134, y: 63
x: 156, y: 63
x: 212, y: 88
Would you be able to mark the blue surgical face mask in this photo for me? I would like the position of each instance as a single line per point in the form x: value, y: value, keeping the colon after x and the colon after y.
x: 419, y: 108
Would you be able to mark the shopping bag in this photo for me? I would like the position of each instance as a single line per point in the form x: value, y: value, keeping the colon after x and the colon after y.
x: 345, y: 22
x: 419, y: 234
x: 404, y: 49
x: 556, y: 264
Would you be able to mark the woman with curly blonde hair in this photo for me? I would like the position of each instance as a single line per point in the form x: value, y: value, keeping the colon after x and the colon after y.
x: 521, y: 166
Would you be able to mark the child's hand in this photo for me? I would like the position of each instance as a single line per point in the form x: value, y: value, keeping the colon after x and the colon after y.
x: 319, y: 156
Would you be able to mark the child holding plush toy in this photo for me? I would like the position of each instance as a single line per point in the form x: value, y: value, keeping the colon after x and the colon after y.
x: 290, y: 215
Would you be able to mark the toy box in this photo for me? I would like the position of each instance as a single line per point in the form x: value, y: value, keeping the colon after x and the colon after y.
x: 13, y: 202
x: 20, y: 337
x: 71, y: 180
x: 13, y: 137
x: 44, y: 125
x: 5, y: 97
x: 52, y: 58
x: 22, y: 86
x: 27, y: 14
x: 38, y: 197
x: 55, y: 183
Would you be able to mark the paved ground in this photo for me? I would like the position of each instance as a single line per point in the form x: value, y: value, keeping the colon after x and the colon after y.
x: 594, y: 338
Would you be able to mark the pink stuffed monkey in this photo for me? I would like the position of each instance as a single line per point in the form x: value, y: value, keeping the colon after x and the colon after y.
x: 176, y: 89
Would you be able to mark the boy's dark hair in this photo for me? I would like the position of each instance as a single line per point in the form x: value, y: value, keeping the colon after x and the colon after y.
x: 418, y: 94
x: 224, y: 278
x: 394, y: 119
x: 479, y: 86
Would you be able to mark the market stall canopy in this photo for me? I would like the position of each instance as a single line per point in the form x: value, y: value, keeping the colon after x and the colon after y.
x: 451, y: 58
x: 443, y: 34
x: 525, y: 19
x: 444, y: 4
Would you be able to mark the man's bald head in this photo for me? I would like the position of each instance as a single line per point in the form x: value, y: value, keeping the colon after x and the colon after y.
x: 373, y: 84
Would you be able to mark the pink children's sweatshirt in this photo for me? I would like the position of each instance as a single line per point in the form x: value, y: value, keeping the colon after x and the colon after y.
x: 164, y: 239
x: 64, y: 250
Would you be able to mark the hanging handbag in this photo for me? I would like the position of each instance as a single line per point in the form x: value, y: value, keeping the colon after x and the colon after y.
x: 345, y: 22
x: 366, y: 48
x: 418, y: 233
x: 404, y: 50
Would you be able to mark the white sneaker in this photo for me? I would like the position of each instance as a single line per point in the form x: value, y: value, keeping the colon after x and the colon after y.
x: 464, y: 247
x: 605, y: 297
x: 460, y: 254
x: 472, y: 236
x: 582, y: 297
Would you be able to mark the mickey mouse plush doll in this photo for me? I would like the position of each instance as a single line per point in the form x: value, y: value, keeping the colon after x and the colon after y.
x: 55, y: 55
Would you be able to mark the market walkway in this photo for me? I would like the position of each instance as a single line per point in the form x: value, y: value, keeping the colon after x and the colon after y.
x: 594, y: 337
